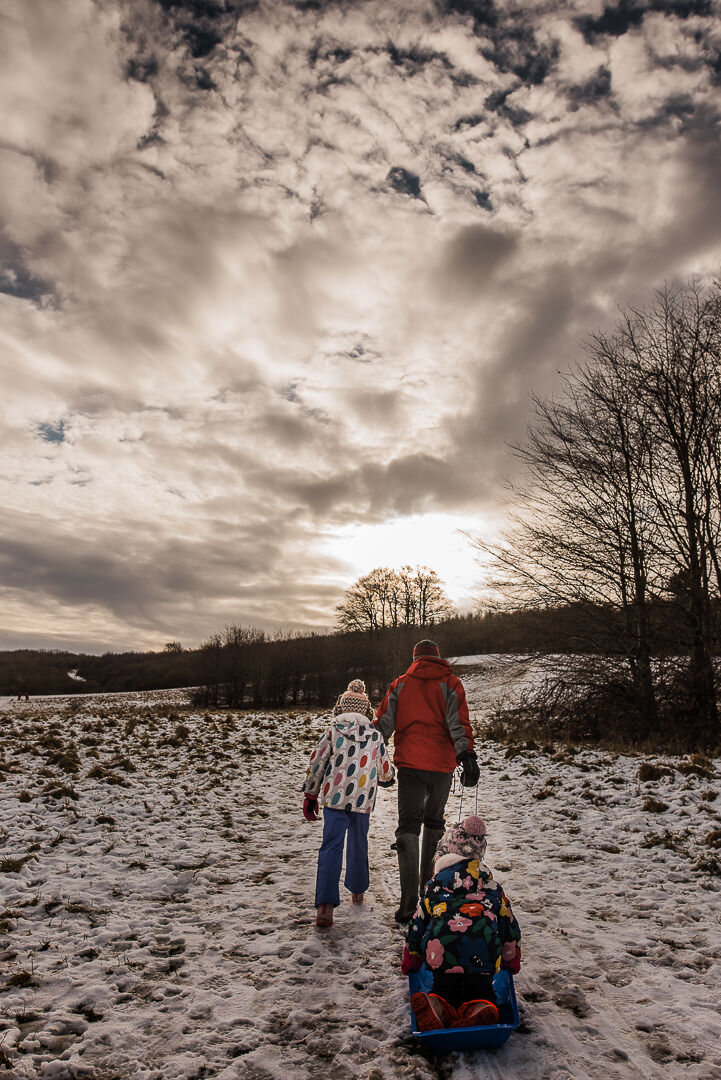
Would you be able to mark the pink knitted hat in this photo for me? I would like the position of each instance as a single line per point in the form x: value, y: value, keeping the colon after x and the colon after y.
x: 468, y: 839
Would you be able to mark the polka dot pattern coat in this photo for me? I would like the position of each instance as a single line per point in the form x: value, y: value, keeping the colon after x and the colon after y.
x: 348, y: 764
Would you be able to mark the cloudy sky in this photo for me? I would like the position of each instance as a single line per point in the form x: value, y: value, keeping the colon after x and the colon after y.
x: 278, y: 276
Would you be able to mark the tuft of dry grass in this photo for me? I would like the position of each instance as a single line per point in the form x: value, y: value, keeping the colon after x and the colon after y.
x: 668, y: 840
x: 654, y: 806
x: 59, y: 791
x: 697, y: 765
x: 649, y: 770
x: 9, y: 865
x: 21, y: 979
x: 707, y: 864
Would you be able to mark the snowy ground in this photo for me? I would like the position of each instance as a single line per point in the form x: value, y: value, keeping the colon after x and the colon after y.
x: 157, y: 921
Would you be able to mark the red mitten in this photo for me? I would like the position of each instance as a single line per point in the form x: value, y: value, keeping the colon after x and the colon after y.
x: 411, y: 961
x: 511, y: 957
x: 310, y: 807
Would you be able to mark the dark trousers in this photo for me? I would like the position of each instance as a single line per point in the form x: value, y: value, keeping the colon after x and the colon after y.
x: 455, y: 989
x: 422, y: 798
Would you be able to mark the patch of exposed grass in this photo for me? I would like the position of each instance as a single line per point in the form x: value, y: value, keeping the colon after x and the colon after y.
x: 667, y: 840
x: 654, y: 806
x: 102, y: 772
x: 122, y: 763
x: 50, y: 740
x: 8, y: 865
x: 650, y: 771
x: 60, y: 791
x: 88, y: 1012
x: 697, y: 765
x: 8, y: 918
x: 708, y: 864
x: 65, y: 758
x: 21, y: 979
x: 544, y: 792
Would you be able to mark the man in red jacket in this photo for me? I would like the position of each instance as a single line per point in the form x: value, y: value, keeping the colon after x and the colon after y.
x: 426, y: 711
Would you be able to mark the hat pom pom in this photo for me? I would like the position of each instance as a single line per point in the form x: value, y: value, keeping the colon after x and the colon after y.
x: 474, y: 826
x: 357, y: 686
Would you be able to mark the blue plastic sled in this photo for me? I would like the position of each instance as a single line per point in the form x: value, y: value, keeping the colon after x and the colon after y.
x: 469, y: 1038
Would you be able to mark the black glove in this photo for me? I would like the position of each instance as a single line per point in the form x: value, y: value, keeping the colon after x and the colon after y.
x: 471, y: 774
x: 387, y: 783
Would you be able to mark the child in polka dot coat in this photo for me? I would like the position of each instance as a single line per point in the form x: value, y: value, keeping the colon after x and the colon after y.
x: 346, y: 768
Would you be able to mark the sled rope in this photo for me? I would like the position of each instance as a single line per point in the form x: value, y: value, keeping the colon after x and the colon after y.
x: 456, y: 780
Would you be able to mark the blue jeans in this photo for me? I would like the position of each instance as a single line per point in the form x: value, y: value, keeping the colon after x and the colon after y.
x: 336, y: 823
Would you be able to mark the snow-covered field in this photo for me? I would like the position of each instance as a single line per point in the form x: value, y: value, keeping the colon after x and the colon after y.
x: 156, y: 895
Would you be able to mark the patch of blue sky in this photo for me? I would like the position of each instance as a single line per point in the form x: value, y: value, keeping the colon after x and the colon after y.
x: 52, y: 433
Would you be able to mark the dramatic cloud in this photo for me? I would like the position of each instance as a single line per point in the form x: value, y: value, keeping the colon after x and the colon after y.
x: 275, y: 275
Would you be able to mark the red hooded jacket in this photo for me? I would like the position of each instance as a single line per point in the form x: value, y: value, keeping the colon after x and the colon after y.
x: 426, y: 709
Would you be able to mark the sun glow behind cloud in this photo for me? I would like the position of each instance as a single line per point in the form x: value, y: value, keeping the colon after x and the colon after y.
x: 432, y: 540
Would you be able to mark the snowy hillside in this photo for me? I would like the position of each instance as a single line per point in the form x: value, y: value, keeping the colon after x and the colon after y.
x: 157, y: 920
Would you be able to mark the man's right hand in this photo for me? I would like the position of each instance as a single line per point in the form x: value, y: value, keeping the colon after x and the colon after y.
x: 471, y: 774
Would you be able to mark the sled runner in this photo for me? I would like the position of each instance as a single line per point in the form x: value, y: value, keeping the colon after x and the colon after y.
x: 469, y: 1038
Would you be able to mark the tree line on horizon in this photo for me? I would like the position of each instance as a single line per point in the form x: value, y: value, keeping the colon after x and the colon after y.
x: 246, y: 667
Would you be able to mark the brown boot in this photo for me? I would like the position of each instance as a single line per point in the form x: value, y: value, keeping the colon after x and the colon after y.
x: 432, y: 1012
x: 478, y: 1013
x: 324, y: 915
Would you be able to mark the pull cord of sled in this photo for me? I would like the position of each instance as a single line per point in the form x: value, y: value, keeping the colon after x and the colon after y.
x: 457, y: 781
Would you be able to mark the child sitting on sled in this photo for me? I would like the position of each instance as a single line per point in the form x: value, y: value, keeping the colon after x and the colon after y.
x: 464, y: 931
x: 346, y: 768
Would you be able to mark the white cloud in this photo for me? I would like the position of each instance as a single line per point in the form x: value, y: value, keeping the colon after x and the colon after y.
x: 252, y: 329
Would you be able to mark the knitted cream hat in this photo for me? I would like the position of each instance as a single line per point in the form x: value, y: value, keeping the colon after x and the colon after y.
x: 468, y: 839
x: 354, y: 699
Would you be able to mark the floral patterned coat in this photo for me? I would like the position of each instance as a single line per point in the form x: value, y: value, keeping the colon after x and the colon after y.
x: 348, y: 764
x: 464, y: 924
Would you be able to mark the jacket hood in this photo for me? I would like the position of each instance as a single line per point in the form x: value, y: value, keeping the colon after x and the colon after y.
x: 352, y: 725
x: 429, y: 667
x: 452, y: 873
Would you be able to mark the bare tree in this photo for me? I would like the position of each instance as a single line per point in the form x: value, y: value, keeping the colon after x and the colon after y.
x: 674, y: 348
x: 432, y: 604
x: 623, y: 493
x: 583, y: 537
x: 391, y: 598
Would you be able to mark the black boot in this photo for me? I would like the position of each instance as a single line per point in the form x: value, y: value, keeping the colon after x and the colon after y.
x: 407, y: 845
x: 428, y: 851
